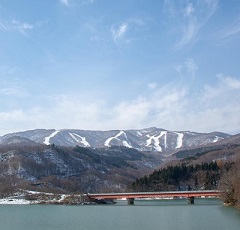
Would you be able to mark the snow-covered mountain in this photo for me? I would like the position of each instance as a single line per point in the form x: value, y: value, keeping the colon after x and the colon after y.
x: 149, y: 139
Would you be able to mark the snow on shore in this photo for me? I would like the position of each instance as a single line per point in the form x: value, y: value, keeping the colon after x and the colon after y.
x: 14, y: 201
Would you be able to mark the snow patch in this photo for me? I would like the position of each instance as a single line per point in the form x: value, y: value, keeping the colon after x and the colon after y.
x: 14, y: 201
x: 179, y: 140
x: 125, y: 143
x: 139, y: 133
x: 79, y: 139
x: 156, y: 141
x: 47, y: 139
x: 216, y: 139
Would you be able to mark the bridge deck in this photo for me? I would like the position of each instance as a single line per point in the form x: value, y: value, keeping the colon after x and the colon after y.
x: 205, y: 193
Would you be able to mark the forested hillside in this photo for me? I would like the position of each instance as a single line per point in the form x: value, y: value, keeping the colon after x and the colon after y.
x: 70, y: 169
x: 181, y: 177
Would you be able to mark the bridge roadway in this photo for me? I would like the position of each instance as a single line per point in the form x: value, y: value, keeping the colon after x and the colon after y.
x: 190, y: 195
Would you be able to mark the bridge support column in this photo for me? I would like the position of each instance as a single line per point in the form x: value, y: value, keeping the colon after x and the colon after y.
x: 130, y: 201
x: 191, y: 200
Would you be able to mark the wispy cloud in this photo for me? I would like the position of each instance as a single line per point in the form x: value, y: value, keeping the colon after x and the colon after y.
x: 16, y: 25
x: 189, y: 32
x: 119, y: 32
x: 152, y: 85
x: 231, y: 30
x: 17, y: 92
x: 189, y: 66
x: 211, y: 7
x: 189, y: 10
x: 189, y: 18
x: 21, y: 26
x: 131, y: 26
x: 81, y: 2
x: 232, y: 83
x: 3, y: 26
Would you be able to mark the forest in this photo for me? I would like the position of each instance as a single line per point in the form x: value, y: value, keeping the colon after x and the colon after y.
x: 224, y: 176
x: 180, y: 177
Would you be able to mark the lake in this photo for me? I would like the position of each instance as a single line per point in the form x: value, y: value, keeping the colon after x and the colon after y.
x: 207, y: 214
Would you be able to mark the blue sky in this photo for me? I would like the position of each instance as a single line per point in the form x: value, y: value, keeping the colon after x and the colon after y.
x: 129, y: 64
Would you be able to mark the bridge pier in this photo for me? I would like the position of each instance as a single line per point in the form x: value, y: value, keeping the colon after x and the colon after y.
x: 191, y: 200
x: 130, y: 201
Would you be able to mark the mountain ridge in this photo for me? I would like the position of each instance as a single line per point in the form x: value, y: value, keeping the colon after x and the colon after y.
x: 149, y: 139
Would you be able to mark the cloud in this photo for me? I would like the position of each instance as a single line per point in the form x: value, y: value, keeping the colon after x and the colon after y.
x: 174, y: 107
x: 211, y: 7
x: 16, y: 25
x: 119, y: 33
x: 12, y: 92
x: 189, y: 10
x: 130, y: 26
x: 191, y: 66
x: 188, y: 18
x: 231, y: 82
x: 226, y: 90
x: 14, y: 116
x: 231, y: 31
x: 22, y: 27
x: 82, y: 2
x: 152, y: 85
x: 3, y: 26
x: 189, y: 32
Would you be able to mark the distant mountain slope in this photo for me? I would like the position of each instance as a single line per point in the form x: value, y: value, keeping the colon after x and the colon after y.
x: 223, y: 146
x: 149, y: 139
x: 193, y: 168
x: 70, y: 169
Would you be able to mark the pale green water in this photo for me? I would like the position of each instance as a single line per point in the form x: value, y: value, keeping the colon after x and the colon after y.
x: 147, y: 215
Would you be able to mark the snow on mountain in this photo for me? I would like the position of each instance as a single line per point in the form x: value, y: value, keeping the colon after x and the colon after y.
x: 179, y: 140
x: 47, y: 139
x: 149, y: 139
x: 216, y: 139
x: 80, y: 139
x: 156, y: 142
x: 124, y: 142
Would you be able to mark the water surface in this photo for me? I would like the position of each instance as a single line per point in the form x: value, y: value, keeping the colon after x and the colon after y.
x: 144, y: 215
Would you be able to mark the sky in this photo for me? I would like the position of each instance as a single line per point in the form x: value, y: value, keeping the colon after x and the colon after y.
x: 129, y: 64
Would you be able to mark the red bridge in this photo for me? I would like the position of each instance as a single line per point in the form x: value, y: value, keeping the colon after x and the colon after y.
x: 190, y: 195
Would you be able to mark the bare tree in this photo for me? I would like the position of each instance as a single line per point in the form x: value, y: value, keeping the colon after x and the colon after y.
x: 230, y: 185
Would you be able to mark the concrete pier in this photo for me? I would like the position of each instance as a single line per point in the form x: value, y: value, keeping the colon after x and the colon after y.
x: 130, y: 201
x: 191, y: 200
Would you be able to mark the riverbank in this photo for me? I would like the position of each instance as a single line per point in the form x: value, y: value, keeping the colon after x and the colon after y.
x: 32, y: 197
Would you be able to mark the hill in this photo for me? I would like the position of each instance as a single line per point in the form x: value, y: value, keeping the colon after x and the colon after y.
x: 70, y: 169
x: 149, y: 139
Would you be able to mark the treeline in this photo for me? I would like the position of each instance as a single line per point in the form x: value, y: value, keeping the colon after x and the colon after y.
x: 180, y: 177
